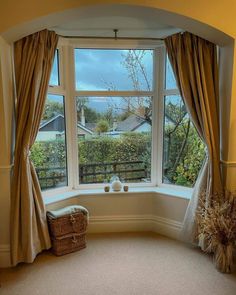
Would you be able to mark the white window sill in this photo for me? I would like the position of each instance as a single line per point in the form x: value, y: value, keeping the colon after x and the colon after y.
x: 60, y: 196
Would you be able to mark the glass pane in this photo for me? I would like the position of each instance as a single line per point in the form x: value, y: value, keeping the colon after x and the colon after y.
x: 114, y: 138
x: 170, y: 78
x: 112, y: 69
x: 54, y: 78
x: 49, y: 150
x: 183, y: 150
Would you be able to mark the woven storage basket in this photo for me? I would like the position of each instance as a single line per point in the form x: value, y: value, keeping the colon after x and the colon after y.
x: 67, y: 229
x: 68, y: 224
x: 68, y: 244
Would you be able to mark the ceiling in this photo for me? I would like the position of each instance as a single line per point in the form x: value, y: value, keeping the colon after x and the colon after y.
x: 128, y: 27
x: 130, y: 20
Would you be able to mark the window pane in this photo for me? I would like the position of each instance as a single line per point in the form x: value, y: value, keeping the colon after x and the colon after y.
x: 54, y: 78
x: 183, y: 150
x: 170, y: 78
x: 104, y: 69
x: 49, y: 150
x: 114, y: 138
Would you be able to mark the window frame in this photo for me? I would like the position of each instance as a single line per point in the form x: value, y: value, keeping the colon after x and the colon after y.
x: 67, y: 88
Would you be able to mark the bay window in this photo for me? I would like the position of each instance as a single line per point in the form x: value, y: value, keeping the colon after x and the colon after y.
x: 114, y: 109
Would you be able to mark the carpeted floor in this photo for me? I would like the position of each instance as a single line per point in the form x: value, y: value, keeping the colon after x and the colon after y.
x: 124, y: 264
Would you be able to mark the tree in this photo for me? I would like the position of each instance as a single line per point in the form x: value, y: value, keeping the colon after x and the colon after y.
x: 182, y: 145
x: 102, y: 126
x: 91, y: 116
x: 137, y: 72
x: 51, y: 109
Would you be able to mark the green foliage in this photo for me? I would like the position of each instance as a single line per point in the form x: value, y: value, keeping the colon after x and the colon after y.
x: 183, y: 153
x: 51, y: 109
x: 102, y: 126
x: 91, y: 116
x: 49, y: 158
x: 105, y: 149
x: 49, y: 153
x: 128, y: 147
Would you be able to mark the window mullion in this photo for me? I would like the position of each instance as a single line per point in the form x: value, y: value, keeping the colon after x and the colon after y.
x: 71, y: 118
x: 171, y: 92
x: 160, y: 69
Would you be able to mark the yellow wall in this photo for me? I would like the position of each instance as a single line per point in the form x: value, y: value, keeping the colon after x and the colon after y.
x: 217, y: 13
x: 6, y: 108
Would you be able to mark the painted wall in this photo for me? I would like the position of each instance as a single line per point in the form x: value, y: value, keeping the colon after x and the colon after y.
x: 124, y: 212
x: 6, y: 107
x: 219, y: 14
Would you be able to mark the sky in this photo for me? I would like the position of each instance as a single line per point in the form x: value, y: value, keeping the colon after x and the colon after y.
x: 97, y: 69
x: 89, y: 76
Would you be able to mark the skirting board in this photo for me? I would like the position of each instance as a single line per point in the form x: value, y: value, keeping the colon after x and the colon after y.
x: 5, y: 260
x: 163, y: 226
x: 109, y: 224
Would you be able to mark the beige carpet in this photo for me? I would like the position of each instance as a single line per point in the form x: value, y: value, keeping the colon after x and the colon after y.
x: 124, y: 264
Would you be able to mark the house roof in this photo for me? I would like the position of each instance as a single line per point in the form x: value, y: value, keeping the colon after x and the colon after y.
x: 86, y: 128
x: 46, y: 122
x: 56, y: 123
x: 131, y: 123
x: 91, y: 126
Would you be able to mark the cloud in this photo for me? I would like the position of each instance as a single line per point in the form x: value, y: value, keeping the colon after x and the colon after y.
x: 103, y: 69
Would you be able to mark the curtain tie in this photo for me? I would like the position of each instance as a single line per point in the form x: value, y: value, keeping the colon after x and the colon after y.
x: 27, y: 152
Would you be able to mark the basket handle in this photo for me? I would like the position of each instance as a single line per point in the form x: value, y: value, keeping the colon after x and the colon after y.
x: 72, y: 219
x: 74, y: 240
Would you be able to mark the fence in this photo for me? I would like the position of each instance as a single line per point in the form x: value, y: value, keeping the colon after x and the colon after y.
x: 129, y: 171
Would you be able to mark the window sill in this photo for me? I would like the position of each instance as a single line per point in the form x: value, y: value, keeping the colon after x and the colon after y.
x: 178, y: 193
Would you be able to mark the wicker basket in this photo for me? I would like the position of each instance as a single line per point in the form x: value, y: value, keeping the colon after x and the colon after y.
x: 68, y: 244
x: 68, y: 224
x: 68, y: 230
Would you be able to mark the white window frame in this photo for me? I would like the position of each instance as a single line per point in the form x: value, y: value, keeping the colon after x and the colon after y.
x: 67, y: 88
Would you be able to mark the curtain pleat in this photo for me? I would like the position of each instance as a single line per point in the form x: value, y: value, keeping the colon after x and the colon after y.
x: 33, y: 57
x: 194, y: 63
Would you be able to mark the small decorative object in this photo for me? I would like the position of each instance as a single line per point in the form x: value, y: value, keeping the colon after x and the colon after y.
x: 107, y: 188
x: 217, y: 228
x: 126, y: 188
x: 116, y: 184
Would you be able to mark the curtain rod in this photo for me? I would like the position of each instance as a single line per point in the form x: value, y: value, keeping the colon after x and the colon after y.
x: 112, y: 38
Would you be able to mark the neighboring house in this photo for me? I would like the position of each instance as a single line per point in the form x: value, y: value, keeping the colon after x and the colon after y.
x: 51, y: 129
x: 83, y: 131
x: 55, y: 128
x: 134, y: 123
x: 90, y: 126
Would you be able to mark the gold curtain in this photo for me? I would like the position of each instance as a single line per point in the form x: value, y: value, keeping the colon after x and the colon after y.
x: 194, y: 62
x: 33, y: 57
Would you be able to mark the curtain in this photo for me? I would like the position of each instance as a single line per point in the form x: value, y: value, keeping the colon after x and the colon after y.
x: 194, y: 63
x: 33, y: 57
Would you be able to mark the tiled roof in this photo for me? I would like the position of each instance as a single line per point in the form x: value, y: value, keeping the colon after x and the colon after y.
x: 130, y: 123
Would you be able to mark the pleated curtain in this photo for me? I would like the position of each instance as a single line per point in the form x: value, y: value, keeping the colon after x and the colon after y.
x: 33, y: 58
x: 194, y: 63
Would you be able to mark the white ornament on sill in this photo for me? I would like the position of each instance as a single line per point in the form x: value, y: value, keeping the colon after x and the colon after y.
x: 116, y: 184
